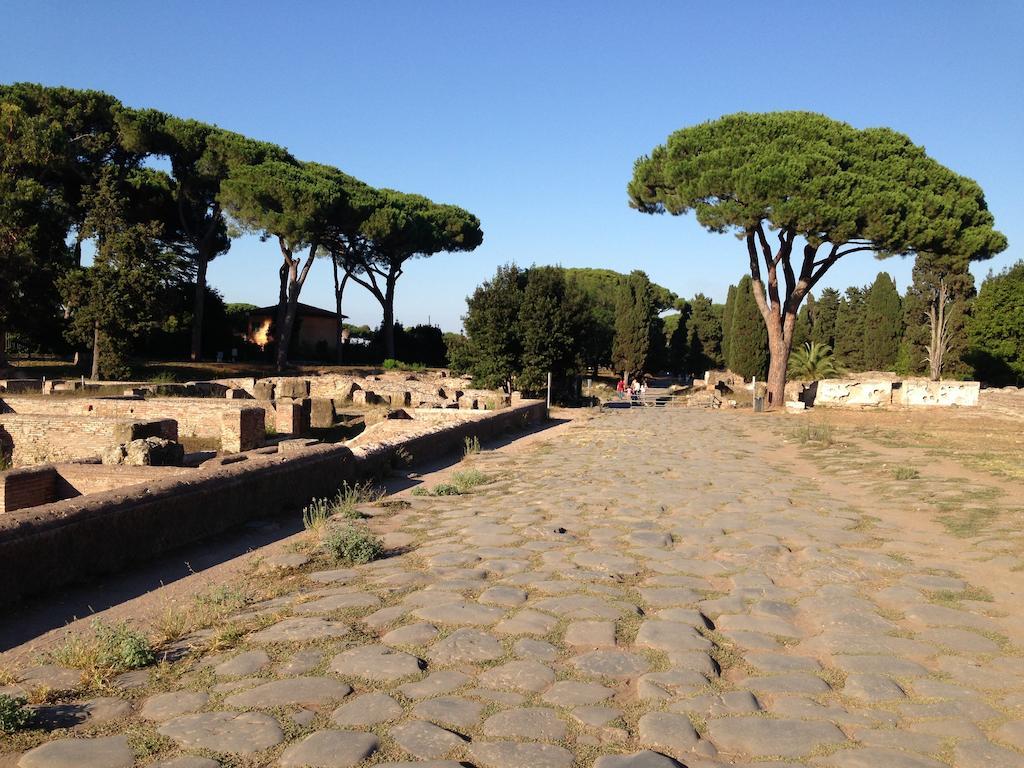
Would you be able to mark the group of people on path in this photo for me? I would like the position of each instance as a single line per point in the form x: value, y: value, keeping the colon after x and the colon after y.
x: 635, y: 390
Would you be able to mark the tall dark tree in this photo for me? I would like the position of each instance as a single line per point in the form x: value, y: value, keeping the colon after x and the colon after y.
x: 816, y: 183
x: 883, y: 324
x: 748, y: 345
x: 117, y: 298
x: 823, y: 327
x: 804, y: 328
x: 601, y: 287
x: 704, y: 335
x: 936, y: 312
x: 552, y: 320
x: 996, y: 328
x: 635, y: 327
x: 676, y: 338
x: 849, y: 337
x: 493, y: 349
x: 727, y: 312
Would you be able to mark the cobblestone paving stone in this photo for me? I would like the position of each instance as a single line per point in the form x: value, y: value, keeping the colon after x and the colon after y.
x: 611, y: 599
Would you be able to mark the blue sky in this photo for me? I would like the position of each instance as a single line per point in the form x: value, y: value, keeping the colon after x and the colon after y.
x: 530, y: 114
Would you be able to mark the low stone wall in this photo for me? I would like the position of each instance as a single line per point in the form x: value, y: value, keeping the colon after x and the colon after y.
x: 196, y: 416
x: 962, y: 394
x: 33, y: 438
x: 49, y: 546
x: 28, y: 487
x: 883, y: 393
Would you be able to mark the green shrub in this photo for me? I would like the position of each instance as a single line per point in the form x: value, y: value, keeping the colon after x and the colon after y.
x: 353, y: 545
x: 315, y: 516
x: 468, y: 479
x: 472, y: 446
x: 446, y: 489
x: 111, y: 649
x: 14, y: 713
x: 390, y: 364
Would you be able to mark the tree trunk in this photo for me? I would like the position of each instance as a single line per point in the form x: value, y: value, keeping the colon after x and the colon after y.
x: 198, y: 308
x: 339, y: 290
x: 282, y: 311
x: 284, y: 335
x: 389, y: 319
x: 3, y: 347
x: 95, y: 375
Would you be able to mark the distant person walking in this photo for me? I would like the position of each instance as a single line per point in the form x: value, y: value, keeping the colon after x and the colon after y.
x: 620, y: 389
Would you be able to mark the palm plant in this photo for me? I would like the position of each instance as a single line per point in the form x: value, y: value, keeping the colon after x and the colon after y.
x: 812, y: 362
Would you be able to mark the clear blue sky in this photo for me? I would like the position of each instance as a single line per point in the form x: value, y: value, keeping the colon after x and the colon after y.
x: 530, y: 114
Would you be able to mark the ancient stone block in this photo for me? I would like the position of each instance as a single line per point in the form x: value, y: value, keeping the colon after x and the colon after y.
x: 292, y: 416
x: 321, y: 413
x: 365, y: 397
x: 242, y: 430
x: 467, y: 402
x: 263, y: 390
x: 941, y: 393
x: 838, y: 393
x: 235, y: 393
x: 297, y: 389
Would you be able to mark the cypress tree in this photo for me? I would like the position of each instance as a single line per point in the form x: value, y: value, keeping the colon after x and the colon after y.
x: 804, y: 327
x: 883, y: 324
x: 551, y: 320
x: 634, y: 324
x: 997, y: 328
x: 730, y: 302
x: 748, y: 337
x: 823, y: 327
x: 704, y: 335
x: 849, y: 347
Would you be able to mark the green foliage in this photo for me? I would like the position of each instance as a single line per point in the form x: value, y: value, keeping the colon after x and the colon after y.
x: 635, y: 327
x: 804, y: 327
x: 552, y: 318
x: 14, y: 713
x: 461, y: 483
x: 471, y: 446
x: 727, y: 315
x: 704, y: 336
x: 823, y: 320
x: 936, y: 312
x: 678, y: 348
x: 601, y: 287
x: 748, y: 345
x: 883, y: 324
x: 390, y: 364
x: 117, y: 299
x: 849, y: 347
x: 493, y: 350
x: 996, y: 329
x: 812, y: 362
x: 352, y: 545
x: 108, y: 650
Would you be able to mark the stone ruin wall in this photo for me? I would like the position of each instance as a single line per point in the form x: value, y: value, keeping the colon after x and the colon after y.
x: 45, y: 547
x: 33, y: 438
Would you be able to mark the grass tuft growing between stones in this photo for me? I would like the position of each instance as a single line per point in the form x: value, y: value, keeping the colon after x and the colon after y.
x: 108, y: 650
x: 461, y: 483
x: 951, y: 598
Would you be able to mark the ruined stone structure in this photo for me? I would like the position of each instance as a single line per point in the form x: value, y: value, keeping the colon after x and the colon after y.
x: 884, y: 393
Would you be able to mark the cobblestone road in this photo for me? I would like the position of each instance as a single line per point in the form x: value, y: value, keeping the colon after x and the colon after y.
x: 644, y: 590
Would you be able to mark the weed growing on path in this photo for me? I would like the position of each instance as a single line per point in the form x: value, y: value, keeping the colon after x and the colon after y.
x: 820, y: 433
x: 109, y: 650
x: 14, y: 713
x: 906, y: 473
x: 472, y: 446
x: 461, y: 482
x: 353, y: 545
